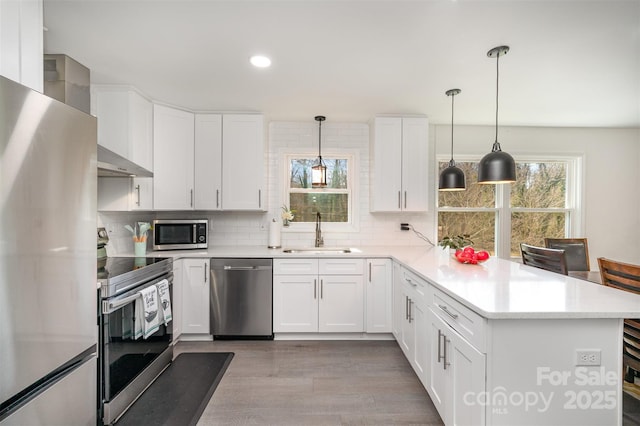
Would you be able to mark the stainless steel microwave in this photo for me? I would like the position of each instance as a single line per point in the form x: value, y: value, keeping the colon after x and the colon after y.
x: 180, y: 234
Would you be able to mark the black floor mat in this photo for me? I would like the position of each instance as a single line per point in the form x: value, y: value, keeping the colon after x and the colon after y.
x: 181, y: 393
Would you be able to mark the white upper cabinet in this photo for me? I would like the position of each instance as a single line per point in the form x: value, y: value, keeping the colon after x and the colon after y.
x: 208, y: 162
x: 399, y: 169
x: 125, y: 194
x: 21, y: 45
x: 125, y: 123
x: 243, y: 179
x: 173, y: 139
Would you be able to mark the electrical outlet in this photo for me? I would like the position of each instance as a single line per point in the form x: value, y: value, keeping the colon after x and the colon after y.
x: 404, y: 226
x: 588, y: 356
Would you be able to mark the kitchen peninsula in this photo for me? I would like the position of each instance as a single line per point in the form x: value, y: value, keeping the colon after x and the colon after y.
x: 498, y: 343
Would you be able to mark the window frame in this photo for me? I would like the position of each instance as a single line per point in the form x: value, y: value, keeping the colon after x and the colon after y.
x: 353, y: 172
x: 574, y: 213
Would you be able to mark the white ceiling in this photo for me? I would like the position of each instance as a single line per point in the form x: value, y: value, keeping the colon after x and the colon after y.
x: 571, y: 63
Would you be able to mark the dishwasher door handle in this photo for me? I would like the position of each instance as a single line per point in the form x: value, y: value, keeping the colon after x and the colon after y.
x: 239, y: 268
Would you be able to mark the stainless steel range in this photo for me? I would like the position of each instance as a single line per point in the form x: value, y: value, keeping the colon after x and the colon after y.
x: 129, y: 364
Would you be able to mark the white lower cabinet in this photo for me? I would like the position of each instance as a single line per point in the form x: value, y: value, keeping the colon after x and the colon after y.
x: 411, y: 302
x: 195, y: 296
x: 456, y: 375
x: 318, y: 295
x: 379, y: 287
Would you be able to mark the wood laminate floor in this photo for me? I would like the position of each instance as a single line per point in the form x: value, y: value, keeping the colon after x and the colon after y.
x: 315, y: 383
x: 324, y: 383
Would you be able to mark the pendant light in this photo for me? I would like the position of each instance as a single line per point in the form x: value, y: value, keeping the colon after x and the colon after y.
x: 452, y: 178
x: 497, y: 166
x: 319, y: 170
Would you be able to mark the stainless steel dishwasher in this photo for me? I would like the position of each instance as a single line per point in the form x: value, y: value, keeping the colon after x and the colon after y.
x: 242, y: 298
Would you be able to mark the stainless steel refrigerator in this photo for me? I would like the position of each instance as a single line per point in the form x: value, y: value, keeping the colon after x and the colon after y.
x: 48, y: 314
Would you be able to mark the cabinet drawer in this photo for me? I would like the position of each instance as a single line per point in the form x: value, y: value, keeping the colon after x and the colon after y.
x: 462, y: 319
x: 295, y: 266
x: 419, y: 285
x: 341, y: 266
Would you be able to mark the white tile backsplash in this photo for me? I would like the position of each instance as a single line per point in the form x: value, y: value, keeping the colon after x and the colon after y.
x: 251, y: 228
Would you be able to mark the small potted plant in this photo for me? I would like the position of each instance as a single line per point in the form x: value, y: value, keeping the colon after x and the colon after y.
x: 456, y: 242
x: 287, y: 215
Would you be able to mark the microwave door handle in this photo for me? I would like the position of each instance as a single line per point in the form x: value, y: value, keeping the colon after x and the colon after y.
x: 195, y: 237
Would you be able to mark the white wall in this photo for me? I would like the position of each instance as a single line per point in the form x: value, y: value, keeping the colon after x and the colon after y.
x: 611, y: 175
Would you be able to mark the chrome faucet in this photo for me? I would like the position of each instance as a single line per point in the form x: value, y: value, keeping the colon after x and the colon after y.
x: 319, y: 239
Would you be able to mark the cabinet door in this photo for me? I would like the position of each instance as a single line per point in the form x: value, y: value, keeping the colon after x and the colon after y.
x: 415, y: 143
x: 439, y: 375
x: 420, y: 362
x: 21, y: 45
x: 173, y: 132
x: 177, y: 300
x: 243, y: 159
x: 407, y: 328
x: 195, y: 296
x: 114, y: 194
x: 341, y: 303
x: 386, y: 184
x: 398, y: 303
x: 141, y: 193
x: 208, y: 162
x: 468, y: 378
x: 295, y: 303
x: 379, y: 295
x: 140, y: 130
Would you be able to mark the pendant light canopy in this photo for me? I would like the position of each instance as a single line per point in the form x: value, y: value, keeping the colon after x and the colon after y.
x: 497, y: 166
x: 452, y: 178
x: 319, y: 170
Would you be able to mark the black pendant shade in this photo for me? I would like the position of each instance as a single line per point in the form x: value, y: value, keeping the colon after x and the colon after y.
x: 497, y: 166
x: 452, y: 178
x: 319, y: 170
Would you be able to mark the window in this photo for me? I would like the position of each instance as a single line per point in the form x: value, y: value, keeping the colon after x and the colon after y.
x: 541, y: 203
x: 335, y: 202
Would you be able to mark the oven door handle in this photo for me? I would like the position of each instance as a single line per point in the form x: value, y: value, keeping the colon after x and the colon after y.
x: 111, y: 306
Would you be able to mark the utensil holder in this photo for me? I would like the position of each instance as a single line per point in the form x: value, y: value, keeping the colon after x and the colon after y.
x: 140, y: 249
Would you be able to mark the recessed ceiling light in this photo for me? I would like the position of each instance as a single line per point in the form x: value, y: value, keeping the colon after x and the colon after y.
x: 260, y: 61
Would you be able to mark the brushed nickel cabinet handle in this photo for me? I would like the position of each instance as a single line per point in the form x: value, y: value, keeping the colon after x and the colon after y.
x: 405, y: 199
x: 259, y: 198
x: 138, y: 191
x: 315, y: 288
x: 439, y: 345
x: 217, y: 198
x: 399, y: 200
x: 406, y: 307
x: 410, y: 311
x: 369, y: 271
x: 444, y: 351
x: 451, y: 314
x: 205, y: 271
x: 192, y: 198
x: 321, y: 289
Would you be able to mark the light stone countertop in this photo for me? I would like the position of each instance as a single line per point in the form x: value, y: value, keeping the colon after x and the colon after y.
x: 495, y: 289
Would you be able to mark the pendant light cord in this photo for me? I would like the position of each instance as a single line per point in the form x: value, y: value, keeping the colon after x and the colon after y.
x: 320, y: 140
x: 452, y: 163
x: 496, y: 145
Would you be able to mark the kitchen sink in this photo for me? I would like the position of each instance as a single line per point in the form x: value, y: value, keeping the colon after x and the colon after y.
x: 319, y: 250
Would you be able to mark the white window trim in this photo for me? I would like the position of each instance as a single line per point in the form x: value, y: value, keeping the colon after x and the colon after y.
x: 574, y: 198
x: 353, y: 185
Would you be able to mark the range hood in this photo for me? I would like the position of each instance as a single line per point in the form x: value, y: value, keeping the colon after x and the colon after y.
x: 113, y: 165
